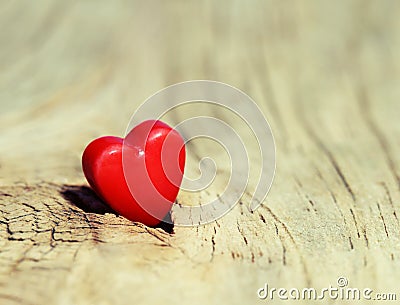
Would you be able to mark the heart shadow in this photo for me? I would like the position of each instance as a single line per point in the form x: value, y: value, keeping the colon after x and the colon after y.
x: 87, y: 200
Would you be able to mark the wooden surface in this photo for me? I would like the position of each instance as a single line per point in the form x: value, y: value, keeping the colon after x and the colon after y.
x: 325, y: 73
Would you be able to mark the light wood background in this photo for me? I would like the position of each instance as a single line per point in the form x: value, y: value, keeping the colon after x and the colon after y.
x: 325, y: 73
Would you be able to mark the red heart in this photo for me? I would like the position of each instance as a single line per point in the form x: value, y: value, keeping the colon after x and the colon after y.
x: 139, y: 176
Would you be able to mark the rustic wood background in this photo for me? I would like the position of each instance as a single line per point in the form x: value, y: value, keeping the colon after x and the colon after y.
x: 325, y: 73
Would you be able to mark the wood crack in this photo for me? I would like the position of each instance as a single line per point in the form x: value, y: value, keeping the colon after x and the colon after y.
x: 364, y: 105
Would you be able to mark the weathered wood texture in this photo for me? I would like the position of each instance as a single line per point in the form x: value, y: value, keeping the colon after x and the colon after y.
x: 325, y: 73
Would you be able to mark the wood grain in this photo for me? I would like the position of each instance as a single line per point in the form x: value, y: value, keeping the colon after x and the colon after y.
x: 326, y: 75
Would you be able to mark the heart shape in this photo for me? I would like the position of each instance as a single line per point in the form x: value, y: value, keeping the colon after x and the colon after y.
x: 139, y: 176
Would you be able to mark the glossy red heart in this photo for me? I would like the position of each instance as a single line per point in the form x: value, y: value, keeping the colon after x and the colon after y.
x: 139, y: 176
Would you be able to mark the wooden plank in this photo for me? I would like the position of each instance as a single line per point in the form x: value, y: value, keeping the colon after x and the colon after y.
x: 324, y: 73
